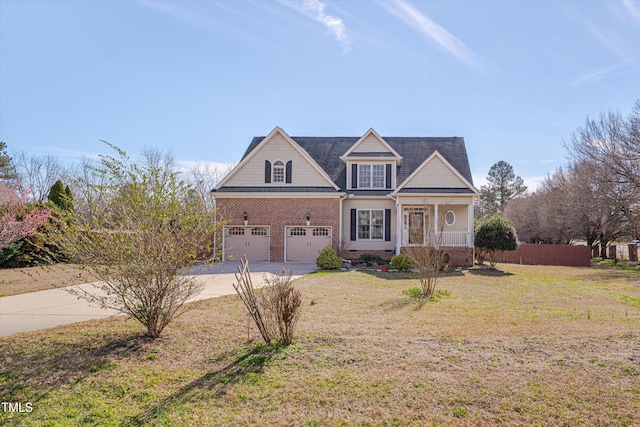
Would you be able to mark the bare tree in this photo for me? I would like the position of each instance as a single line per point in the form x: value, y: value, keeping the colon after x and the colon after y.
x: 38, y: 173
x: 430, y: 260
x: 204, y: 178
x: 612, y: 142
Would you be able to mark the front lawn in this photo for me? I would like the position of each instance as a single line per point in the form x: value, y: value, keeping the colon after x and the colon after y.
x: 527, y: 346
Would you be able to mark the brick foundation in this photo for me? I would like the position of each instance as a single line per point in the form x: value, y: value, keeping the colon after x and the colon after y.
x: 279, y: 213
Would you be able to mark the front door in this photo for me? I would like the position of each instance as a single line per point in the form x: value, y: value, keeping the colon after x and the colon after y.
x: 416, y: 228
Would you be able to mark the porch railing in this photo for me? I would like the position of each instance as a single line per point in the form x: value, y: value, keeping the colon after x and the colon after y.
x: 455, y: 238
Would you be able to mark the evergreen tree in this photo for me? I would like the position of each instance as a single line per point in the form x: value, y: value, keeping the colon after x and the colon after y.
x: 503, y: 186
x: 58, y: 195
x: 7, y: 169
x: 69, y: 199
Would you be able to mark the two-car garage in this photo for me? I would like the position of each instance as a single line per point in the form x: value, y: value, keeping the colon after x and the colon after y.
x: 301, y: 243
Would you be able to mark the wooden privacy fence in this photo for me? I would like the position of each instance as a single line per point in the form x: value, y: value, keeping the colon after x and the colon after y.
x: 530, y: 254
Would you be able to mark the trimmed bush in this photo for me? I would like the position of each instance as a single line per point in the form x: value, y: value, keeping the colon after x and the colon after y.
x: 328, y: 259
x: 402, y: 262
x: 370, y: 258
x: 494, y: 235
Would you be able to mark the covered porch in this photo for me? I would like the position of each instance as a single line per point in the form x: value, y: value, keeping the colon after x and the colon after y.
x: 436, y: 223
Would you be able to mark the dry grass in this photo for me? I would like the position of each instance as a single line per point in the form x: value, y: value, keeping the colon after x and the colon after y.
x: 531, y: 346
x: 17, y: 281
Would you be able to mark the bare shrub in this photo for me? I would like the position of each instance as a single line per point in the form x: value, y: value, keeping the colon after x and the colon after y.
x: 280, y: 302
x: 430, y: 260
x: 275, y: 308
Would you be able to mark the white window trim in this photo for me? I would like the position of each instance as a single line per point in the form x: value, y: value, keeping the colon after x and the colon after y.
x: 358, y: 238
x: 371, y: 165
x: 447, y: 214
x: 273, y: 172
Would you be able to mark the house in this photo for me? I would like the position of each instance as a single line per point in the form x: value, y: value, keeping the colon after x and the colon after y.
x: 289, y: 197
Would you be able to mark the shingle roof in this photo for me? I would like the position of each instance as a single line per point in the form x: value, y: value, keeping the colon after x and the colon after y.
x: 326, y: 151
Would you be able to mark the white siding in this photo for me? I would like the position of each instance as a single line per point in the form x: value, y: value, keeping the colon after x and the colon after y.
x: 278, y: 148
x: 371, y: 144
x: 435, y: 174
x: 349, y: 204
x: 462, y: 217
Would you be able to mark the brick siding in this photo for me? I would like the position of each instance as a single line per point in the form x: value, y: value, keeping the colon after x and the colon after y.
x: 279, y: 213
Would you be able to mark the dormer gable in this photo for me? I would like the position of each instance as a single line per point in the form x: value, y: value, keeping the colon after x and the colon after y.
x: 436, y: 172
x: 371, y: 145
x: 277, y: 161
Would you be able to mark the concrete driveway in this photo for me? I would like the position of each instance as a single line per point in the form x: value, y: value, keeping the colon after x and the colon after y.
x: 45, y: 309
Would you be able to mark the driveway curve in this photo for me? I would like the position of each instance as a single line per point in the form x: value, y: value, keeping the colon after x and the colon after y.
x: 46, y: 309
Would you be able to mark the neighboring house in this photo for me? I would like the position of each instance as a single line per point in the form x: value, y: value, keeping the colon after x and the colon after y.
x: 291, y: 196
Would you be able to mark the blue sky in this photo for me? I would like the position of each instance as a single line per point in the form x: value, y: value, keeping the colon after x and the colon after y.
x: 202, y: 78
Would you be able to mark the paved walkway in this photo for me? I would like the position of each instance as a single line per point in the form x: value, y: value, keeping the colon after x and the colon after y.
x: 45, y: 309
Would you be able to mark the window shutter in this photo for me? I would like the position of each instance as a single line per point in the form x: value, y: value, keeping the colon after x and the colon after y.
x: 288, y: 172
x: 354, y: 176
x: 354, y: 224
x: 267, y: 171
x: 387, y: 224
x: 388, y: 175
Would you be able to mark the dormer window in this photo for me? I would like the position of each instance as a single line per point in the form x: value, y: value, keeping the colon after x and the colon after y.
x: 278, y: 171
x: 372, y: 176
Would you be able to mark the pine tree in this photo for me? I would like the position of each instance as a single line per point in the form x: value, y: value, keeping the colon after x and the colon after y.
x: 7, y: 169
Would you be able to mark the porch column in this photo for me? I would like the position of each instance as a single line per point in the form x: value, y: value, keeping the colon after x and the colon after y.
x: 470, y: 225
x: 399, y: 222
x: 435, y: 224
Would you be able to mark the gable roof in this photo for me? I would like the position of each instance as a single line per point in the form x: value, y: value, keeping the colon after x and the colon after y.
x: 259, y: 142
x: 327, y: 152
x: 389, y: 150
x: 434, y: 155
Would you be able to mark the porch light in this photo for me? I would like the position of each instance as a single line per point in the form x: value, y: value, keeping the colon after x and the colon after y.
x: 246, y: 217
x: 308, y: 218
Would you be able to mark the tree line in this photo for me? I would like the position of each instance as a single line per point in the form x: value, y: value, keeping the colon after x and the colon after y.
x: 594, y: 198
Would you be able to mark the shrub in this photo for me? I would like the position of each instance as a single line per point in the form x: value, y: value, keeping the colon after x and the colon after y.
x: 280, y: 303
x: 328, y: 259
x: 370, y: 258
x: 494, y: 235
x: 402, y: 262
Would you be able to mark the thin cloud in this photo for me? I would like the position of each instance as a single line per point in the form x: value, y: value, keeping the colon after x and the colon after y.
x: 632, y: 9
x: 315, y: 9
x: 600, y: 73
x: 423, y: 24
x: 174, y: 11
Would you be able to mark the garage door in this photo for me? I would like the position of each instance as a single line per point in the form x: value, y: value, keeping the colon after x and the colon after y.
x: 250, y: 241
x: 304, y: 243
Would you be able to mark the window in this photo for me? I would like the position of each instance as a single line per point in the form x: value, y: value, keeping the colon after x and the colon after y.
x: 371, y: 176
x: 298, y: 231
x: 377, y: 179
x: 278, y: 171
x: 364, y: 176
x: 321, y: 231
x: 236, y: 231
x: 259, y: 231
x: 450, y: 217
x: 370, y: 225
